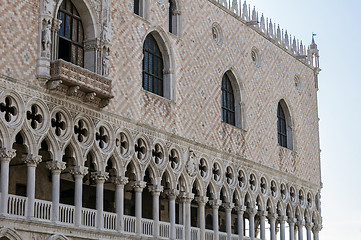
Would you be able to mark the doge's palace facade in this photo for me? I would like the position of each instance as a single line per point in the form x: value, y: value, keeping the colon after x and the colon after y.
x: 156, y: 119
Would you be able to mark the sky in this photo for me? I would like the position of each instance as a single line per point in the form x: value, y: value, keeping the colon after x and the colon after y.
x: 338, y: 28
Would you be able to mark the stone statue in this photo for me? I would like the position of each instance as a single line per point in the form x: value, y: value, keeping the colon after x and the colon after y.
x: 106, y: 64
x: 107, y: 33
x: 191, y: 165
x: 48, y: 6
x: 46, y: 39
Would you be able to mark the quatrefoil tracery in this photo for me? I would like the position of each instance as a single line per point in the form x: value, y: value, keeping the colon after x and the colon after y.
x: 273, y: 189
x: 81, y: 131
x: 102, y: 137
x: 241, y: 179
x: 157, y: 154
x: 263, y: 185
x: 203, y: 167
x: 140, y: 149
x: 173, y: 159
x: 58, y: 124
x: 8, y: 108
x: 252, y: 182
x: 216, y: 172
x: 229, y: 175
x: 123, y: 143
x: 34, y: 117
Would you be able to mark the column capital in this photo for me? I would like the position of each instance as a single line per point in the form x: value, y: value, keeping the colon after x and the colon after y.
x: 202, y: 200
x: 100, y: 176
x: 139, y: 185
x: 272, y: 216
x: 228, y: 205
x: 7, y: 154
x: 215, y: 203
x: 252, y: 211
x: 156, y: 189
x: 316, y: 228
x: 262, y: 213
x: 119, y: 180
x: 291, y: 220
x: 32, y: 160
x: 240, y: 209
x: 56, y: 166
x: 309, y: 226
x: 172, y: 193
x: 300, y: 223
x: 79, y: 171
x: 282, y: 218
x: 186, y: 197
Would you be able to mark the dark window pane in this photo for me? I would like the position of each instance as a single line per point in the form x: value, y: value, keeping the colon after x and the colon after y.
x: 228, y: 109
x: 136, y: 7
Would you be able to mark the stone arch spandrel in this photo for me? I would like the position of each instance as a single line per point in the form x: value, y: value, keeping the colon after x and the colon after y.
x: 10, y: 234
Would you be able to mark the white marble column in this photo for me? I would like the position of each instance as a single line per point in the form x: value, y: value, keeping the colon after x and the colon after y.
x: 240, y: 211
x: 282, y: 220
x: 119, y: 183
x: 300, y: 230
x: 309, y: 229
x: 100, y: 177
x: 202, y: 200
x: 272, y: 222
x: 172, y: 195
x: 5, y: 157
x: 79, y: 172
x: 56, y: 167
x: 187, y: 199
x: 262, y: 216
x: 156, y: 190
x: 251, y: 213
x: 228, y: 209
x: 138, y: 188
x: 316, y: 229
x: 31, y: 161
x: 215, y: 203
x: 291, y: 225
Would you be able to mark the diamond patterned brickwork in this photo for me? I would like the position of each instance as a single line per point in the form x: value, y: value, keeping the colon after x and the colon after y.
x: 195, y: 113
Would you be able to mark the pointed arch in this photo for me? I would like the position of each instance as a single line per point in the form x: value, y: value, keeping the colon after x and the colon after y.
x: 159, y: 39
x: 10, y: 233
x: 270, y: 206
x: 259, y: 203
x: 174, y: 18
x: 57, y: 237
x: 284, y: 125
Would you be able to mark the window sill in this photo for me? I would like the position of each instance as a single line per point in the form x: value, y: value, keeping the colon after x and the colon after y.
x: 281, y: 148
x: 161, y: 98
x: 234, y: 127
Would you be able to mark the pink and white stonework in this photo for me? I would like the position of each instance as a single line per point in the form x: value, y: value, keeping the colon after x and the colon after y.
x: 88, y: 153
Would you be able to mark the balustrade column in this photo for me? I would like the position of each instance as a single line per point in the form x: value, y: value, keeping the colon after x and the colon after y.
x: 187, y: 199
x: 55, y: 167
x: 172, y: 195
x: 5, y: 157
x: 215, y: 206
x: 119, y: 183
x: 308, y: 228
x: 251, y: 213
x: 240, y: 210
x: 291, y: 225
x: 156, y: 190
x: 100, y: 177
x: 138, y: 188
x: 79, y: 172
x: 228, y: 208
x: 300, y: 230
x: 201, y: 215
x: 31, y: 161
x: 282, y: 220
x: 262, y: 215
x: 272, y: 221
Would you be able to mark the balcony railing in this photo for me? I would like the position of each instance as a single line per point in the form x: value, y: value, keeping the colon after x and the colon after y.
x: 17, y: 206
x: 79, y: 79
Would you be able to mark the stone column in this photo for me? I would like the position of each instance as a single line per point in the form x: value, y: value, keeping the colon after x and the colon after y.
x: 31, y: 161
x: 300, y: 230
x: 316, y: 229
x: 100, y: 177
x: 202, y: 200
x: 309, y: 229
x: 282, y: 220
x: 291, y: 225
x: 215, y: 203
x: 228, y: 208
x: 187, y: 199
x: 138, y: 188
x: 251, y: 213
x: 272, y: 221
x: 55, y: 167
x: 5, y: 157
x: 262, y: 215
x: 156, y: 190
x: 240, y: 210
x: 79, y: 172
x: 119, y: 183
x: 172, y: 195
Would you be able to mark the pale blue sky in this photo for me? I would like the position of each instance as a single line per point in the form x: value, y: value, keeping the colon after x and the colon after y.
x: 338, y: 28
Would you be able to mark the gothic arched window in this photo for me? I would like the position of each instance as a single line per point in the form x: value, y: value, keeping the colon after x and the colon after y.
x: 281, y: 126
x: 152, y: 66
x: 136, y: 7
x: 228, y: 107
x: 71, y: 34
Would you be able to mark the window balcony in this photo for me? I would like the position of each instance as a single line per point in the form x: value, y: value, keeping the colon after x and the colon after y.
x: 76, y: 79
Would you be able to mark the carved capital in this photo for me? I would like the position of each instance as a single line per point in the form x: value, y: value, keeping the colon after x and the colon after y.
x: 228, y: 205
x: 100, y: 176
x: 186, y: 197
x: 119, y: 180
x: 215, y: 203
x: 7, y: 154
x: 240, y: 209
x: 79, y: 171
x: 156, y: 189
x: 56, y: 166
x: 300, y: 223
x: 309, y: 226
x: 282, y: 219
x: 32, y: 160
x: 202, y: 200
x: 139, y: 185
x: 172, y: 193
x: 252, y: 211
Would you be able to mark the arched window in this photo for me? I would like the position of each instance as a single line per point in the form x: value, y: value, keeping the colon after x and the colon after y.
x: 136, y: 7
x: 71, y: 35
x: 174, y: 17
x: 228, y: 107
x: 171, y: 13
x: 281, y: 126
x: 152, y: 66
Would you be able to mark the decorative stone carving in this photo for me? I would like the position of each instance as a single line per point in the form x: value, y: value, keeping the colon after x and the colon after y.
x: 100, y: 176
x: 106, y: 60
x: 46, y: 39
x: 7, y: 154
x: 107, y: 33
x: 191, y: 165
x: 79, y: 170
x: 56, y: 165
x: 32, y: 160
x: 120, y: 180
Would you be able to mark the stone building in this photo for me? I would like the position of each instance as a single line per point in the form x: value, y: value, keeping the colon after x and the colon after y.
x: 144, y: 119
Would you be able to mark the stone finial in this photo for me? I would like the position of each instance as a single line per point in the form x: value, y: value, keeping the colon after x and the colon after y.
x: 254, y: 15
x: 245, y: 11
x: 278, y: 36
x: 32, y: 160
x: 294, y: 45
x: 287, y: 41
x: 262, y: 24
x: 270, y: 28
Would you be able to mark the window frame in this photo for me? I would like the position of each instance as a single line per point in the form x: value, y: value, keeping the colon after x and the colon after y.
x: 228, y: 101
